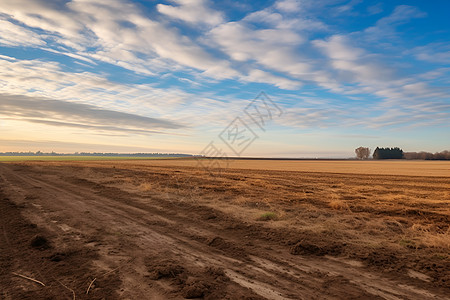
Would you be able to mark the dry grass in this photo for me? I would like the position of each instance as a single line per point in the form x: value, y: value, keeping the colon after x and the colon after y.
x: 268, y: 216
x: 436, y: 240
x: 338, y: 205
x: 335, y: 201
x: 363, y: 209
x: 145, y: 187
x: 391, y: 167
x: 360, y: 209
x: 427, y: 236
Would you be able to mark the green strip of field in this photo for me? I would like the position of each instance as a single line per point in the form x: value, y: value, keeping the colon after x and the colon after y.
x: 74, y: 158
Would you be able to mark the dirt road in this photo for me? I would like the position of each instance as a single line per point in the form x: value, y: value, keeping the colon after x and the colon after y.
x: 141, y: 242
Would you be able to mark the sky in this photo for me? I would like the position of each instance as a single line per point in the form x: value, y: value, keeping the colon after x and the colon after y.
x: 286, y: 78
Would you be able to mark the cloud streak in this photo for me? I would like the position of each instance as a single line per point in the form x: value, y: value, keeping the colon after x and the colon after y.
x: 192, y: 11
x: 63, y: 113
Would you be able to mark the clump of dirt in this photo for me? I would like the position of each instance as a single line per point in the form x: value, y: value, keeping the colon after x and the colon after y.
x: 216, y: 273
x: 306, y: 248
x: 218, y: 242
x: 319, y: 249
x: 192, y: 282
x: 57, y: 257
x: 165, y: 269
x: 383, y: 258
x: 209, y: 216
x: 40, y: 242
x: 226, y: 246
x: 195, y: 289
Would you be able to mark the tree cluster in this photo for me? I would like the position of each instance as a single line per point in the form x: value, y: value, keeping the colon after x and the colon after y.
x: 443, y: 155
x: 362, y: 152
x: 388, y: 153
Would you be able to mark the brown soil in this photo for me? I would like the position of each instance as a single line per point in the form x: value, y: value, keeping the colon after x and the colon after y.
x: 174, y: 232
x: 30, y: 250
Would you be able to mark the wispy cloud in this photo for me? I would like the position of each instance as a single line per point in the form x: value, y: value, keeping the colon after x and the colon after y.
x: 15, y: 35
x: 63, y: 113
x: 113, y: 32
x: 192, y: 11
x: 68, y: 147
x: 434, y: 52
x: 385, y: 27
x: 271, y: 49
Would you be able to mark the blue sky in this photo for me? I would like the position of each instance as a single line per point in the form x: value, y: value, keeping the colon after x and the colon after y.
x: 171, y: 76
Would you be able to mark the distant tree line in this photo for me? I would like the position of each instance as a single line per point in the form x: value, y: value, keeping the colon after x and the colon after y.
x: 397, y: 153
x: 388, y: 153
x: 39, y: 153
x: 443, y: 155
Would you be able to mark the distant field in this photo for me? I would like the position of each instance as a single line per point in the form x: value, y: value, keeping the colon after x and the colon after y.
x: 370, y: 167
x: 74, y: 158
x: 384, y: 167
x: 263, y: 229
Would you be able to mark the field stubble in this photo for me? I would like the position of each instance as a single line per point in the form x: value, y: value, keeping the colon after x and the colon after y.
x: 391, y: 224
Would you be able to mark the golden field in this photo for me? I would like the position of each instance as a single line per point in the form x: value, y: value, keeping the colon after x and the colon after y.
x: 261, y: 229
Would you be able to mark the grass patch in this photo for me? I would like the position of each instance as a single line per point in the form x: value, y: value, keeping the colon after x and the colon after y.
x: 407, y: 243
x: 145, y: 187
x: 267, y: 216
x: 338, y: 205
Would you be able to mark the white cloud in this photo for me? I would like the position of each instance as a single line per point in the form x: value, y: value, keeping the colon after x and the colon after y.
x: 70, y: 54
x: 307, y: 117
x: 266, y: 77
x: 192, y: 11
x: 36, y: 78
x: 348, y: 7
x: 385, y: 27
x: 40, y: 79
x: 400, y: 15
x: 439, y: 73
x: 273, y: 49
x: 118, y: 33
x: 337, y: 47
x: 352, y: 64
x: 112, y: 31
x: 124, y: 42
x: 375, y: 9
x: 50, y: 16
x: 243, y: 43
x: 287, y: 18
x: 403, y: 100
x: 435, y: 53
x: 271, y: 46
x: 288, y: 6
x: 72, y: 114
x: 14, y: 35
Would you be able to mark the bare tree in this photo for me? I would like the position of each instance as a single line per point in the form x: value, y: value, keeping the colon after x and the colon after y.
x: 362, y: 152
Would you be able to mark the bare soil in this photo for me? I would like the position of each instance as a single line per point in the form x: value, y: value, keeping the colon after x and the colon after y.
x: 131, y: 230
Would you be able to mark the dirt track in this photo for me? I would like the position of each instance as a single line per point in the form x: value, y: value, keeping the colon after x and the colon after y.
x: 156, y: 242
